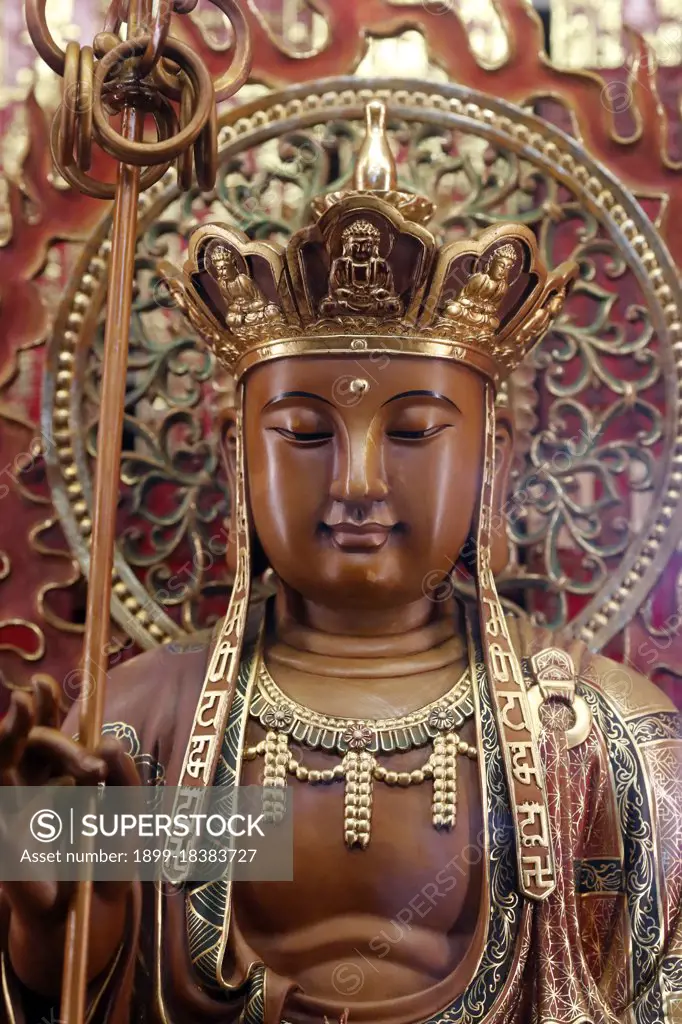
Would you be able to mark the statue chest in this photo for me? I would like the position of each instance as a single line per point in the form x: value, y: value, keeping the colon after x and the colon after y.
x: 363, y: 275
x: 394, y: 881
x: 410, y: 871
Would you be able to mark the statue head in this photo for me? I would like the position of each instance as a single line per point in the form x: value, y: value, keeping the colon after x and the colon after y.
x: 363, y: 476
x: 501, y: 263
x: 360, y: 241
x: 224, y: 264
x: 365, y: 498
x: 361, y: 497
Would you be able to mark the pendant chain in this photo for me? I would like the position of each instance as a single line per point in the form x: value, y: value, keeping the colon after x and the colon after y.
x: 358, y: 741
x: 278, y: 712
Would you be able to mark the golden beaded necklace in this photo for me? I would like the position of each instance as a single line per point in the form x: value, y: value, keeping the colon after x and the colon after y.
x: 358, y: 741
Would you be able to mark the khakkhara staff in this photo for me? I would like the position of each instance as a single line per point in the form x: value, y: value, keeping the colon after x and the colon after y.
x: 144, y: 76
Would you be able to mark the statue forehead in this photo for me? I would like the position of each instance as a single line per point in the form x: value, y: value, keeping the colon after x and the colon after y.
x: 376, y: 376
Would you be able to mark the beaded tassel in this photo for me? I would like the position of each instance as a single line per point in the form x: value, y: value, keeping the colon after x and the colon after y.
x: 358, y: 768
x: 275, y: 776
x: 444, y: 763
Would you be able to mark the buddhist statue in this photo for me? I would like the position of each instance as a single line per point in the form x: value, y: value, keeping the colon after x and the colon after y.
x: 245, y: 304
x: 478, y: 302
x: 360, y: 278
x: 478, y: 834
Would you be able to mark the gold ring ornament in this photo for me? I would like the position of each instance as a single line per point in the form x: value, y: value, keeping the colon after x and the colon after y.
x: 555, y: 675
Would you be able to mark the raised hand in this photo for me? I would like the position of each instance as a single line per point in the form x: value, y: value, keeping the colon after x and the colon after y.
x: 33, y: 752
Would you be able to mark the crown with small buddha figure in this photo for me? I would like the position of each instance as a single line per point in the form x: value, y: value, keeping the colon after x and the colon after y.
x: 368, y: 274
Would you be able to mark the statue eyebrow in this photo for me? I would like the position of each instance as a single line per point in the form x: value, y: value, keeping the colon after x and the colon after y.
x: 422, y: 394
x: 296, y: 394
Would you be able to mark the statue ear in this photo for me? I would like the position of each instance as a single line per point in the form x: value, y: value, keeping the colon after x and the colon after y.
x: 228, y: 455
x: 228, y: 445
x: 504, y: 457
x: 228, y: 452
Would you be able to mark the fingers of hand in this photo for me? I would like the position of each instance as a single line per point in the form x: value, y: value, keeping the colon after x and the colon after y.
x: 120, y: 767
x: 48, y: 701
x: 48, y: 748
x: 15, y: 728
x: 38, y: 705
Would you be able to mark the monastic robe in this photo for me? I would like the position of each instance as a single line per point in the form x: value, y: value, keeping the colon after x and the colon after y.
x: 604, y: 948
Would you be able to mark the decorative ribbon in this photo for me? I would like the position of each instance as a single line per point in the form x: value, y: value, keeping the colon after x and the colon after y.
x: 515, y: 722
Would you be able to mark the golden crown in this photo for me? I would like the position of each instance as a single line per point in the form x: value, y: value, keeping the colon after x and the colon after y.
x: 367, y: 275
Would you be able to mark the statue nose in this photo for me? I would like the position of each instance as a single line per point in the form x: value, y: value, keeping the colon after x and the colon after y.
x: 359, y: 472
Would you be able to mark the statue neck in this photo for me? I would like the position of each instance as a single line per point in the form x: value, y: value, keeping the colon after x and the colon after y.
x: 421, y: 639
x: 373, y: 625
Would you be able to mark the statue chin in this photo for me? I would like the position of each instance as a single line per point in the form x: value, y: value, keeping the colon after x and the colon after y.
x: 353, y: 588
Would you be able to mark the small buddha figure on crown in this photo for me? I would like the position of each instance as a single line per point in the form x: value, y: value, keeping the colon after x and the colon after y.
x: 361, y: 280
x: 246, y: 304
x: 477, y: 306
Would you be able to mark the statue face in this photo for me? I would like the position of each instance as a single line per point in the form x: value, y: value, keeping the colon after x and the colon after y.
x: 362, y: 248
x: 224, y: 264
x: 362, y: 500
x: 500, y: 267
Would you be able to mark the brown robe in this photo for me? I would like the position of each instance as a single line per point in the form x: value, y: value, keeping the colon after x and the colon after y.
x: 605, y: 947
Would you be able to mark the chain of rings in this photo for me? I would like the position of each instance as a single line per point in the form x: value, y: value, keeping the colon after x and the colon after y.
x: 151, y: 73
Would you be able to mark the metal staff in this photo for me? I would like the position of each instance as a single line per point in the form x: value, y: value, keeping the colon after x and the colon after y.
x: 138, y: 77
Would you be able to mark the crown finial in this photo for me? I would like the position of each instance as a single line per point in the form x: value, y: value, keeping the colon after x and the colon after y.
x: 375, y: 174
x: 375, y: 168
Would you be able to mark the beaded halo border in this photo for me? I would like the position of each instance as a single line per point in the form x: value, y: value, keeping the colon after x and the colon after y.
x: 452, y: 106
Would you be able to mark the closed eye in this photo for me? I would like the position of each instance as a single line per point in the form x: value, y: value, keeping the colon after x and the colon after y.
x: 418, y: 435
x: 304, y: 437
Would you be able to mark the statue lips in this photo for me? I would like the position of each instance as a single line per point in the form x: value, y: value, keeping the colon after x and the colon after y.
x: 356, y: 537
x: 358, y: 526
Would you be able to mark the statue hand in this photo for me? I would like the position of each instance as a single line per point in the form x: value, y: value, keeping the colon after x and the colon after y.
x: 33, y: 752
